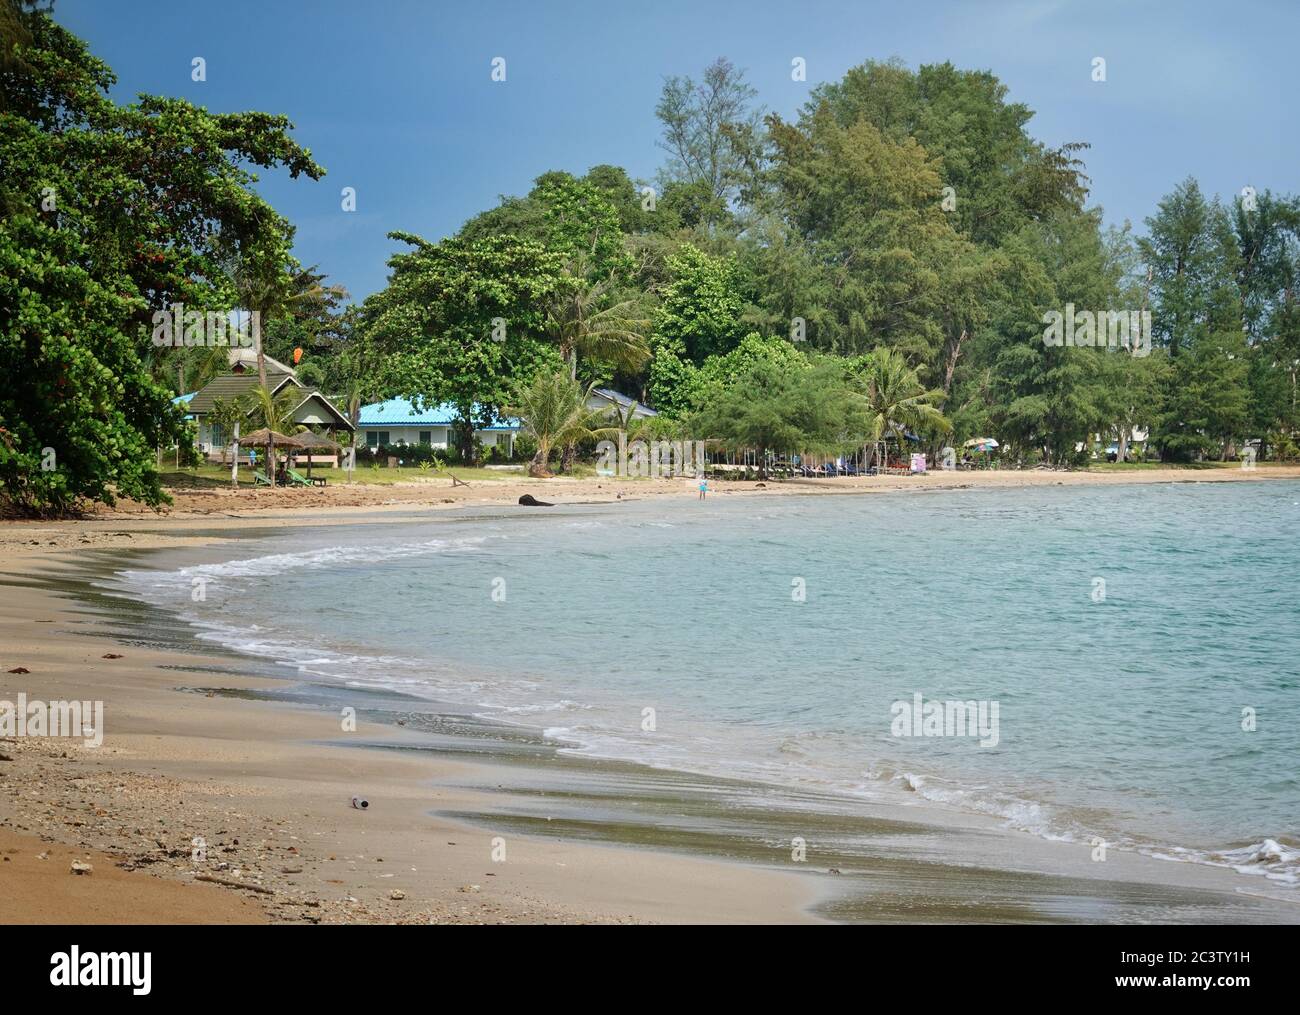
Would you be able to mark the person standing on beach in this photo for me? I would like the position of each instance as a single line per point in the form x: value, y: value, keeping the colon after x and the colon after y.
x: 704, y: 487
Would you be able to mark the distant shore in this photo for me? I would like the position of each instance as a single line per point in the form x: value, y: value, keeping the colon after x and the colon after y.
x: 190, y: 752
x: 198, y: 511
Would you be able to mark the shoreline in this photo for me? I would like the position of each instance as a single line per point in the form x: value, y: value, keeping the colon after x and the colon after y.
x: 270, y: 798
x: 290, y: 775
x: 197, y: 517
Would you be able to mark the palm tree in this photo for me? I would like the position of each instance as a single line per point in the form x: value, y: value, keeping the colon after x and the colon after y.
x: 553, y: 410
x: 895, y: 398
x: 585, y: 319
x: 583, y: 322
x: 269, y: 281
x: 276, y: 413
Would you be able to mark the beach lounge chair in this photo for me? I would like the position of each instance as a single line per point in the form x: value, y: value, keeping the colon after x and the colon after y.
x: 298, y: 479
x: 260, y: 480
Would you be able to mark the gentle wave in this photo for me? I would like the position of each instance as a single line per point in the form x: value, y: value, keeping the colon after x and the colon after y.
x: 591, y: 724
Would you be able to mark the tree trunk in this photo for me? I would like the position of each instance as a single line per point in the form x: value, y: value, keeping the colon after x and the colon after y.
x: 537, y: 467
x: 261, y: 376
x: 952, y: 364
x: 567, y: 456
x: 234, y: 460
x: 467, y: 441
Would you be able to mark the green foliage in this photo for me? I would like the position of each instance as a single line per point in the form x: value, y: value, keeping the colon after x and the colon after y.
x: 110, y: 213
x: 880, y: 263
x: 700, y: 308
x: 434, y: 324
x: 894, y: 398
x: 771, y: 407
x: 553, y: 411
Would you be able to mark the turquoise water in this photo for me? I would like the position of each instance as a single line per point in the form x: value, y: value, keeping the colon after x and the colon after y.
x: 1118, y: 717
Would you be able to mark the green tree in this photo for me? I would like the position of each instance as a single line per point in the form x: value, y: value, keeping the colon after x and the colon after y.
x: 552, y: 408
x: 710, y: 131
x: 110, y: 215
x: 768, y: 408
x: 461, y: 322
x: 894, y: 398
x: 700, y: 308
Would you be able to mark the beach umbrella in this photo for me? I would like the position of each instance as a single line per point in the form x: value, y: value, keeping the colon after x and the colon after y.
x: 981, y: 443
x: 271, y: 440
x: 317, y: 442
x: 265, y: 436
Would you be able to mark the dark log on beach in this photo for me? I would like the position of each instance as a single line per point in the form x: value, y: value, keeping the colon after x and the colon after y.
x: 528, y: 500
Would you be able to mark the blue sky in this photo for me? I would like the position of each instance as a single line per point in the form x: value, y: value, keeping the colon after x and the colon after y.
x: 395, y: 97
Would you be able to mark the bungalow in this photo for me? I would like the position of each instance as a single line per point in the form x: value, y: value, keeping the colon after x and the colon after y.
x: 398, y: 421
x: 311, y: 408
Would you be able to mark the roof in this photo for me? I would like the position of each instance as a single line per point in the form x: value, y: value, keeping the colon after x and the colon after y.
x: 228, y: 387
x: 240, y: 359
x: 340, y: 420
x: 401, y: 412
x: 623, y: 401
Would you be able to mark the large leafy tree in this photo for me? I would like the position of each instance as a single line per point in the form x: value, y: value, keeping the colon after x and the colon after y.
x: 461, y: 322
x: 1200, y: 316
x: 1001, y: 177
x: 110, y: 213
x: 768, y: 407
x: 1043, y: 400
x: 868, y: 207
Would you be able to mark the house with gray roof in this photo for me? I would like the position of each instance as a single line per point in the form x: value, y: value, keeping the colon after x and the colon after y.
x: 311, y: 408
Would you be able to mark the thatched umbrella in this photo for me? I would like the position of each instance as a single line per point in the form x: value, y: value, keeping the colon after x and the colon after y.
x: 316, y: 442
x: 271, y: 439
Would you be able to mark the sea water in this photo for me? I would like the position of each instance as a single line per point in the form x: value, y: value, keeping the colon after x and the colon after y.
x: 1139, y: 645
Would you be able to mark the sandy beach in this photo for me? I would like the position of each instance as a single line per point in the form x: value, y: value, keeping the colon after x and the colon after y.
x: 212, y: 799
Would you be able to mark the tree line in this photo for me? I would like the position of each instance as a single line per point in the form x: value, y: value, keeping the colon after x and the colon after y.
x: 879, y: 267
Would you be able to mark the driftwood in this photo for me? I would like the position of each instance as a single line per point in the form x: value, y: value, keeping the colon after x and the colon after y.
x: 528, y: 500
x: 232, y: 883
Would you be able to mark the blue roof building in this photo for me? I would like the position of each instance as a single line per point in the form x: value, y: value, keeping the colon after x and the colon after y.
x: 398, y: 421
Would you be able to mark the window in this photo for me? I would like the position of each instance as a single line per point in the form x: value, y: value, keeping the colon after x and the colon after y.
x: 426, y: 436
x: 375, y: 438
